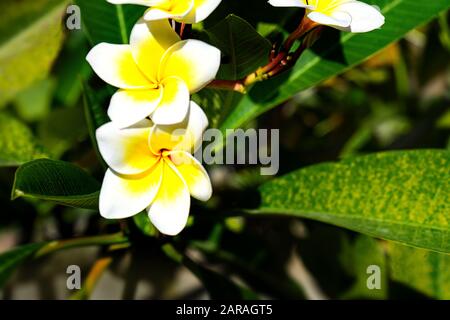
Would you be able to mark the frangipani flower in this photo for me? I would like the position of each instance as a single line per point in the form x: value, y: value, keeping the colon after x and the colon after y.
x: 151, y: 167
x: 155, y: 73
x: 346, y: 15
x: 187, y: 11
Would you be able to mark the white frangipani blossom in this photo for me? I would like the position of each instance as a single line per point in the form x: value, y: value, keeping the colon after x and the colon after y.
x: 347, y: 15
x: 187, y: 11
x: 151, y: 168
x: 155, y: 73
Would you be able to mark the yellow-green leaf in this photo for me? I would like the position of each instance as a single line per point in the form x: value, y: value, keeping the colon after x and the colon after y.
x: 402, y: 196
x: 31, y: 34
x: 17, y: 142
x: 422, y: 270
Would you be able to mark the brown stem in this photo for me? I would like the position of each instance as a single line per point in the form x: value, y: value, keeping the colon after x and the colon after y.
x: 273, y: 64
x: 278, y: 63
x: 233, y: 85
x: 303, y: 28
x: 110, y: 239
x: 185, y: 30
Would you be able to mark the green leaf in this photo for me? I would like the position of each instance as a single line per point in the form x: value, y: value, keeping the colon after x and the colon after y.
x: 10, y: 260
x: 95, y: 115
x: 62, y: 129
x: 356, y: 257
x: 106, y: 22
x: 243, y: 51
x: 17, y: 143
x: 72, y: 69
x: 402, y: 196
x: 56, y: 181
x: 30, y: 38
x: 333, y: 56
x: 425, y: 271
x: 34, y: 103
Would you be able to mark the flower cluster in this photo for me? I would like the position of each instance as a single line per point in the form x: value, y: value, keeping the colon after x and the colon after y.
x: 155, y: 127
x: 154, y: 124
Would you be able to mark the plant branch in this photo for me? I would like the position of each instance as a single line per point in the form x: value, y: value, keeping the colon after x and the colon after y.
x: 111, y: 239
x: 278, y: 62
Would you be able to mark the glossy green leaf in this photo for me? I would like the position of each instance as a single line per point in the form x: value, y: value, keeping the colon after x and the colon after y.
x: 106, y: 22
x: 425, y: 271
x: 31, y: 34
x: 57, y: 181
x: 11, y: 259
x: 243, y: 51
x: 402, y: 196
x: 17, y: 142
x: 333, y: 55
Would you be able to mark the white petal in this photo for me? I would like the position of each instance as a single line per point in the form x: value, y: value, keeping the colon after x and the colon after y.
x: 193, y: 61
x: 169, y: 211
x: 338, y: 19
x: 197, y: 122
x: 154, y: 14
x: 174, y: 104
x: 114, y: 64
x: 194, y: 175
x: 148, y: 41
x: 202, y: 9
x: 126, y: 151
x: 128, y: 107
x: 290, y: 3
x: 365, y: 17
x: 185, y: 136
x: 147, y: 3
x: 177, y: 11
x: 121, y: 197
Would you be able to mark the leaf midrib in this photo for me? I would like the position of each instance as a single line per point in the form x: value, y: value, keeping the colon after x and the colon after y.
x: 278, y: 211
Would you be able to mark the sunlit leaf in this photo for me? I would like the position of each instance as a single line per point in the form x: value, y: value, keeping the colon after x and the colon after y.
x: 402, y: 196
x: 17, y: 142
x: 425, y: 271
x: 31, y: 34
